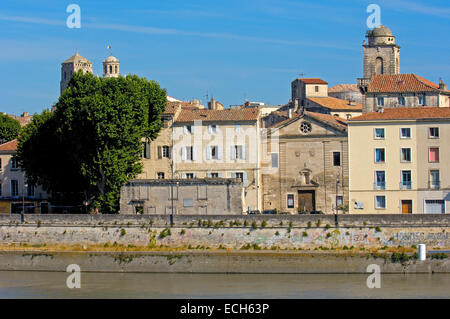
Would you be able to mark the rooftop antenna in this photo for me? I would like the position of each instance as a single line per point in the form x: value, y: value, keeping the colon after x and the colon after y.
x: 302, y: 74
x: 207, y: 97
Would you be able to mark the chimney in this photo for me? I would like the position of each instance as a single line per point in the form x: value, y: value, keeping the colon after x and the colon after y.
x: 296, y: 105
x: 289, y: 112
x: 442, y: 85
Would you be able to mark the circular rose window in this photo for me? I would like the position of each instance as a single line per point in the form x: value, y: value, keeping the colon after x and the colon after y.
x: 305, y: 127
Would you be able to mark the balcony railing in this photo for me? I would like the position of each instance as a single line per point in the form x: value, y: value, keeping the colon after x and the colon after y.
x: 405, y: 185
x: 379, y: 185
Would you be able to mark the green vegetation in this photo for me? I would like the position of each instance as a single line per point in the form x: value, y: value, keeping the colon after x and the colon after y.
x: 305, y: 234
x: 165, y: 233
x: 122, y: 232
x: 254, y: 225
x: 318, y: 223
x: 378, y: 229
x: 9, y: 128
x: 309, y: 225
x: 439, y: 256
x: 93, y: 138
x: 263, y: 224
x: 182, y: 232
x: 327, y: 226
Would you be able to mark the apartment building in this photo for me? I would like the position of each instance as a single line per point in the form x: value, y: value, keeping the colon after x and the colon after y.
x: 399, y: 161
x: 15, y: 192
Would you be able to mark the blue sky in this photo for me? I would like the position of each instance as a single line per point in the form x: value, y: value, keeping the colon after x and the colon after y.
x: 232, y: 49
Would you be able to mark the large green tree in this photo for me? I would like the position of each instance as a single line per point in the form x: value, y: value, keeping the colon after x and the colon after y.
x: 91, y: 144
x: 9, y: 128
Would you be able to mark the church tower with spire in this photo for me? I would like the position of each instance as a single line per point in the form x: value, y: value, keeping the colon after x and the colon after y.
x: 72, y: 65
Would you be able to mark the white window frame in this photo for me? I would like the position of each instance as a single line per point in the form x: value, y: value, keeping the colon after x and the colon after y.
x: 401, y: 155
x: 375, y: 133
x: 401, y: 132
x: 376, y: 202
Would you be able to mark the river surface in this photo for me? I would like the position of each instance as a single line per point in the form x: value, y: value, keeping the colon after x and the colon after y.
x: 27, y: 284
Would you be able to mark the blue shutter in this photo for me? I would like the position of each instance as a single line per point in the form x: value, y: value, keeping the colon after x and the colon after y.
x: 245, y: 179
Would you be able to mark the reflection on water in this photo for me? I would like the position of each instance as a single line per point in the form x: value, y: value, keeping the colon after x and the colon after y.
x: 25, y: 284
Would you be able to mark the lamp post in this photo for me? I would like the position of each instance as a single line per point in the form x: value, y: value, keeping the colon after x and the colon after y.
x: 23, y: 202
x: 337, y: 184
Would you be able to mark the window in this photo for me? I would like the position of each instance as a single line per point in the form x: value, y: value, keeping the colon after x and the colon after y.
x: 240, y: 176
x: 339, y: 200
x: 379, y: 133
x: 274, y: 158
x: 214, y: 175
x: 290, y: 201
x: 110, y: 69
x: 401, y: 100
x: 434, y: 155
x: 30, y: 190
x: 405, y: 132
x: 380, y: 101
x: 14, y: 188
x: 14, y: 165
x: 380, y: 180
x: 336, y: 158
x: 406, y: 180
x: 380, y: 202
x: 433, y: 132
x: 188, y: 202
x: 190, y: 175
x: 316, y: 88
x: 348, y: 116
x: 160, y: 175
x: 213, y: 128
x: 434, y: 179
x: 379, y: 155
x: 237, y: 152
x: 166, y: 151
x: 115, y: 69
x: 188, y: 129
x: 187, y: 153
x: 422, y: 99
x: 405, y: 155
x: 146, y: 150
x: 305, y: 127
x: 237, y: 128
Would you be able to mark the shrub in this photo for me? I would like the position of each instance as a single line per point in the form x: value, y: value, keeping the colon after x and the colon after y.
x: 182, y: 232
x: 277, y: 233
x: 164, y: 233
x: 378, y: 229
x: 309, y: 224
x: 328, y: 235
x: 246, y: 223
x: 254, y: 225
x: 305, y: 234
x: 318, y: 223
x: 263, y: 224
x: 327, y: 226
x: 122, y: 232
x: 399, y: 257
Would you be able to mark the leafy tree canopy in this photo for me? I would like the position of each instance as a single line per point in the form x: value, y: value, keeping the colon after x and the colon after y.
x: 91, y: 144
x: 9, y: 128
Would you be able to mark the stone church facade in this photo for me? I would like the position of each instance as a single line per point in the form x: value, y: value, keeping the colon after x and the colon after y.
x: 309, y: 167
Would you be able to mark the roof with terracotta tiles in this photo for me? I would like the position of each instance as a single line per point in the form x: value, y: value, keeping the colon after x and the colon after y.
x: 242, y: 114
x: 333, y: 103
x: 172, y: 107
x: 313, y: 81
x: 9, y: 146
x: 400, y: 83
x: 406, y: 113
x: 343, y: 88
x: 332, y: 120
x: 327, y: 119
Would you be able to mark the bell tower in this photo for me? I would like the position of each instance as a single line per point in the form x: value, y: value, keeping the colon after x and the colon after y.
x: 381, y: 55
x: 72, y: 65
x: 111, y: 67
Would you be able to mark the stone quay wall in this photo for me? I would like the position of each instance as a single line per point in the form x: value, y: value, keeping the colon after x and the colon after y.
x: 230, y: 231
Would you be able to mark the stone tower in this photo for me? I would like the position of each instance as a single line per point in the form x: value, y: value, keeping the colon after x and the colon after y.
x: 381, y: 54
x: 71, y: 65
x: 111, y: 67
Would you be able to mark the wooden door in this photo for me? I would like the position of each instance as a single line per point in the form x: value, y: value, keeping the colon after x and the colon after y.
x: 406, y: 206
x: 306, y: 201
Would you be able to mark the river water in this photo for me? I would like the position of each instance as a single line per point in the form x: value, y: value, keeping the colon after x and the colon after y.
x: 26, y: 284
